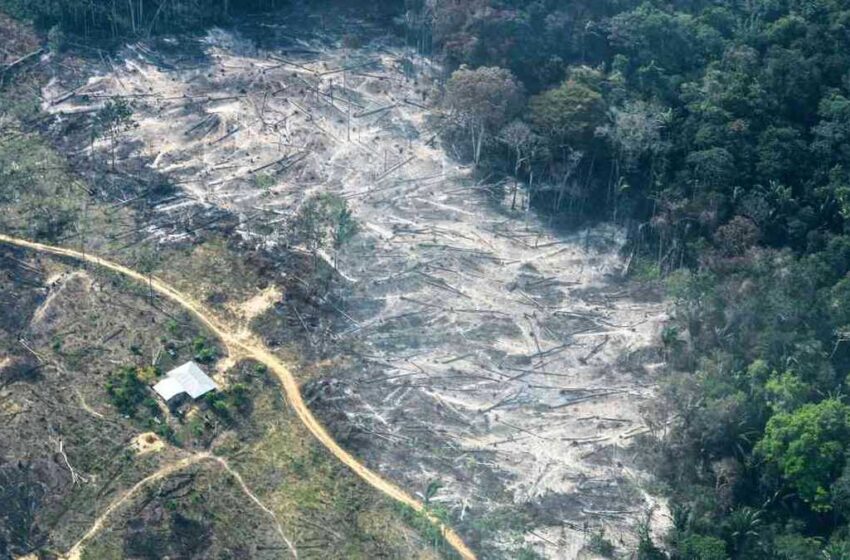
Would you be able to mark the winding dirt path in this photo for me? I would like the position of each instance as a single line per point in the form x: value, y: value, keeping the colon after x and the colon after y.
x: 76, y: 551
x: 232, y: 472
x: 245, y: 345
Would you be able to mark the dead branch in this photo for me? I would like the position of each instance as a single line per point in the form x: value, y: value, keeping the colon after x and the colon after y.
x: 500, y: 402
x: 75, y: 476
x: 22, y: 59
x: 394, y: 168
x: 294, y: 158
x: 361, y: 114
x: 594, y: 351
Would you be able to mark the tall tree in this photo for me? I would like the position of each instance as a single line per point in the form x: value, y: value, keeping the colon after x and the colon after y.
x: 807, y: 449
x: 569, y: 114
x: 481, y: 101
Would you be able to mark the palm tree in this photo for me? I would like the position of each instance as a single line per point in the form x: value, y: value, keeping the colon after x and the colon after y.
x: 742, y: 527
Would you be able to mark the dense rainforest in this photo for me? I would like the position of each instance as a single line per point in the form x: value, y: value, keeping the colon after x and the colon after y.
x: 718, y: 133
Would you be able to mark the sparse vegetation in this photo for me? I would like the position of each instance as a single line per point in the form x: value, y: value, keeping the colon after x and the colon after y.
x: 42, y: 199
x: 432, y: 535
x: 598, y: 544
x: 114, y: 118
x: 229, y: 402
x: 324, y: 221
x: 264, y: 181
x: 204, y: 352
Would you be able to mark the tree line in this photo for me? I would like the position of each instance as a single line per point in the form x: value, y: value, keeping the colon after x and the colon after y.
x: 123, y: 19
x: 116, y: 18
x: 682, y: 117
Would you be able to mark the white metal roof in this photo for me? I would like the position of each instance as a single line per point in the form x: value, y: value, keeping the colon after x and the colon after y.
x: 168, y: 388
x: 188, y: 378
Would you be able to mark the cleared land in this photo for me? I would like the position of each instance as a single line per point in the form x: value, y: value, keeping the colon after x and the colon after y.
x: 86, y: 491
x: 89, y: 461
x: 471, y: 353
x: 461, y: 343
x: 241, y: 345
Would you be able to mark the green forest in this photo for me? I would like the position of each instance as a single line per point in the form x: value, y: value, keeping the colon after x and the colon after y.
x: 717, y: 132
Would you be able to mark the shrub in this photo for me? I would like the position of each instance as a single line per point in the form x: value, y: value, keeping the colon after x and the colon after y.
x: 598, y: 544
x: 126, y: 390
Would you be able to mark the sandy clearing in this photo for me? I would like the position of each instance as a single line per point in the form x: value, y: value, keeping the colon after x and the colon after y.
x: 258, y: 304
x: 147, y: 442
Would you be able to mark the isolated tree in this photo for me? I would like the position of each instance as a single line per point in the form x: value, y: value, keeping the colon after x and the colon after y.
x: 114, y: 118
x: 344, y: 227
x: 324, y: 220
x: 482, y: 101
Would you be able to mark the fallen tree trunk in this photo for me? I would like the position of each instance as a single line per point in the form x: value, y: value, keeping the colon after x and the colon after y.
x: 22, y: 59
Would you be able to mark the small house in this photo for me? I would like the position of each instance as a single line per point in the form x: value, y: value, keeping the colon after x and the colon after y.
x: 188, y: 378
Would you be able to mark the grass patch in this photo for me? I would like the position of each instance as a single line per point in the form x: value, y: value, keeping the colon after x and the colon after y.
x: 40, y: 198
x: 426, y: 529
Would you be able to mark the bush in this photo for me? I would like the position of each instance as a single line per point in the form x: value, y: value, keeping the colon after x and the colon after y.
x: 264, y: 181
x: 126, y: 390
x: 701, y: 547
x: 204, y: 353
x: 224, y: 403
x: 598, y: 544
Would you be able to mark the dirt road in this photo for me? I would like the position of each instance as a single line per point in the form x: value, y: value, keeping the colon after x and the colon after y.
x: 243, y: 344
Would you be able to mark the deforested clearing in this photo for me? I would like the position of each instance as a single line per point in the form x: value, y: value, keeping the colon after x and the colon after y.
x: 472, y: 345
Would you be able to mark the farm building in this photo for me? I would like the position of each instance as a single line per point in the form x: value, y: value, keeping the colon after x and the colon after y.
x: 188, y: 378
